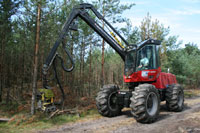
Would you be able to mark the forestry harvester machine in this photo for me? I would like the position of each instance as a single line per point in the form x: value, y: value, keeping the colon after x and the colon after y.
x: 142, y: 73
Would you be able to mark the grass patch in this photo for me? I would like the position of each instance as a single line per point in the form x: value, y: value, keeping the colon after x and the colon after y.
x: 24, y: 122
x: 191, y: 93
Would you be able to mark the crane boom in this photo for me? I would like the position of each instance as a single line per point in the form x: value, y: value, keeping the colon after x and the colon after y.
x: 79, y: 11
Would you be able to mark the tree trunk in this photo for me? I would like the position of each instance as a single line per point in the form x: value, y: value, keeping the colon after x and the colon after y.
x: 35, y: 65
x: 42, y: 47
x: 102, y: 57
x: 8, y: 78
x: 80, y: 74
x: 71, y: 79
x: 83, y: 69
x: 23, y: 71
x: 1, y: 69
x: 90, y: 69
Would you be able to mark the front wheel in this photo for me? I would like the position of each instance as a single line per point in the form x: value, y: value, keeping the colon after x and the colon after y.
x: 106, y: 101
x: 145, y: 103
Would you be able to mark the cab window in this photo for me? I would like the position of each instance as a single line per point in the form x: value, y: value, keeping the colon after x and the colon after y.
x: 146, y: 58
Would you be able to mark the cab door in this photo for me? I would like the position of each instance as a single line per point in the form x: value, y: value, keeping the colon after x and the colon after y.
x: 148, y: 66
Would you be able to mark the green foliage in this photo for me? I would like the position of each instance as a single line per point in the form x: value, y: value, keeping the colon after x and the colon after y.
x: 131, y: 34
x: 112, y: 9
x: 184, y: 63
x: 152, y: 29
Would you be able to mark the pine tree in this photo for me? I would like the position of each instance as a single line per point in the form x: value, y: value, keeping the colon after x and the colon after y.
x: 35, y: 66
x: 7, y: 9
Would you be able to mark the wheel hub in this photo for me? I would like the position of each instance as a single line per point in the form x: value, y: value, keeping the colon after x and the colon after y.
x: 180, y: 98
x: 112, y: 101
x: 152, y: 103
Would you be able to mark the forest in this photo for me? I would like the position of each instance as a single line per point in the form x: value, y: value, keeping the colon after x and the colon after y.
x: 29, y: 28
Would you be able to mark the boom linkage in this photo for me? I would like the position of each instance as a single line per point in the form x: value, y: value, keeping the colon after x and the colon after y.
x: 81, y: 11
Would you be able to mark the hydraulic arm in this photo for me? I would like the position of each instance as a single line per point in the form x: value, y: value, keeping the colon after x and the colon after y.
x: 81, y: 11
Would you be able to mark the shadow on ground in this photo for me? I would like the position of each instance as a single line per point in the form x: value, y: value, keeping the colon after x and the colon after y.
x: 164, y: 113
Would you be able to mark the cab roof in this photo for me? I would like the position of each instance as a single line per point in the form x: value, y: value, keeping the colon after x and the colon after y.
x: 148, y: 41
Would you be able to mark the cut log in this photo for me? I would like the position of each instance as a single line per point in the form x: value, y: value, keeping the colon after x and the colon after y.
x: 4, y: 119
x: 68, y: 111
x: 54, y: 113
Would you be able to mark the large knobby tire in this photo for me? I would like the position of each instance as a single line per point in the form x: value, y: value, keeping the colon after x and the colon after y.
x: 106, y: 101
x: 175, y: 98
x: 145, y: 103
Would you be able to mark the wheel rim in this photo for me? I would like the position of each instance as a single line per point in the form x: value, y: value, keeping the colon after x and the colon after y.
x: 180, y: 98
x: 152, y: 103
x: 112, y: 101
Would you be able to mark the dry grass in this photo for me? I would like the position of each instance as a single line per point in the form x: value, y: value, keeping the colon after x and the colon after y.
x: 192, y: 93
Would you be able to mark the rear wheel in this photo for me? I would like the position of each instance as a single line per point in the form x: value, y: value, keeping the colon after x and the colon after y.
x: 145, y: 103
x: 106, y: 101
x: 175, y: 98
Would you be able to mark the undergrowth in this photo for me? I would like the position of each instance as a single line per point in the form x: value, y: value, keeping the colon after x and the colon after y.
x: 24, y: 122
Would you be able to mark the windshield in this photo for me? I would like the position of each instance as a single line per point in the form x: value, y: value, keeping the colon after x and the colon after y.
x: 130, y: 62
x: 146, y: 58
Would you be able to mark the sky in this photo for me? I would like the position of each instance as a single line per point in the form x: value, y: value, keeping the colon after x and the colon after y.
x: 182, y: 16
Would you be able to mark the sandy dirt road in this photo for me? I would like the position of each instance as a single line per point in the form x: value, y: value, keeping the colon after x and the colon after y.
x: 187, y: 121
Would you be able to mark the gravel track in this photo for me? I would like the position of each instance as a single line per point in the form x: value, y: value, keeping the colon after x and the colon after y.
x: 187, y: 121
